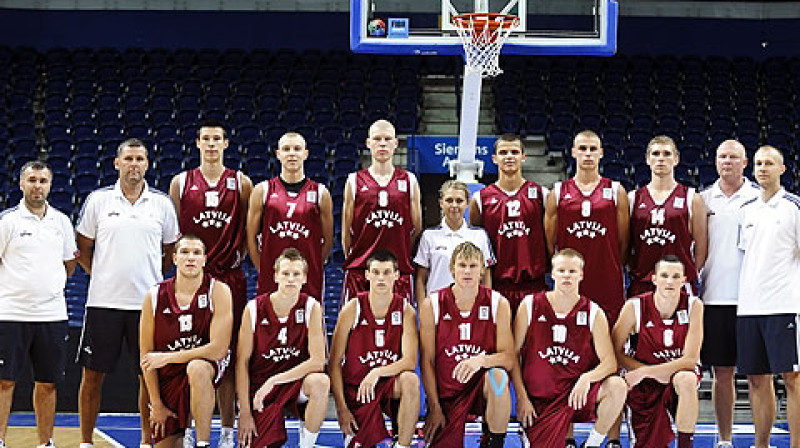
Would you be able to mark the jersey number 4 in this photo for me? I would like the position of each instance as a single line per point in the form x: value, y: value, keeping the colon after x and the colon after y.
x: 282, y: 337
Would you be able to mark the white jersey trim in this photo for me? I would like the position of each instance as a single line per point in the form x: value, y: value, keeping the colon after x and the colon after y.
x: 495, y: 304
x: 593, y: 310
x: 637, y: 312
x: 435, y: 306
x: 181, y: 184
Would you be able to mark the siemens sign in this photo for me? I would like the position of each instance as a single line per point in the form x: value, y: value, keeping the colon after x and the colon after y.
x: 436, y: 151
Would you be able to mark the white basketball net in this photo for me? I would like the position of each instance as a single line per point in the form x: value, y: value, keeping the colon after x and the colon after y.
x: 483, y: 35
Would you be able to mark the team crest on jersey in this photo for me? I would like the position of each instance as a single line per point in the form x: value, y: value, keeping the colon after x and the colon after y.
x: 513, y: 229
x: 299, y: 316
x: 384, y: 218
x: 311, y: 196
x: 587, y: 229
x: 402, y: 185
x: 532, y: 193
x: 608, y: 193
x: 483, y: 313
x: 212, y: 199
x: 397, y: 317
x: 679, y: 202
x: 202, y: 301
x: 581, y: 318
x: 230, y: 183
x: 212, y: 218
x: 683, y: 317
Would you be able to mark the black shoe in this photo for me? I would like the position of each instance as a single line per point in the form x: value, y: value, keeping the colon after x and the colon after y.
x: 571, y: 443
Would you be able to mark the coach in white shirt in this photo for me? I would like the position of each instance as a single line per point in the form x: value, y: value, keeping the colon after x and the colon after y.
x: 720, y: 278
x: 126, y: 234
x: 768, y: 341
x: 37, y: 253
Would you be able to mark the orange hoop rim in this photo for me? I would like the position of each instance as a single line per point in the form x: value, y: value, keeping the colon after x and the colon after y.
x: 478, y: 21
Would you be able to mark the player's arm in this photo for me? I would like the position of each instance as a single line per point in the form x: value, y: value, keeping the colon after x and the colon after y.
x: 341, y: 334
x: 699, y: 229
x: 254, y: 216
x: 85, y: 251
x: 244, y: 350
x: 159, y: 412
x: 503, y: 357
x: 475, y: 217
x: 623, y: 222
x: 167, y: 261
x: 525, y: 411
x: 326, y: 217
x: 625, y: 326
x: 416, y: 212
x: 347, y: 216
x: 175, y: 193
x: 601, y: 340
x: 551, y: 221
x: 69, y: 266
x: 691, y: 350
x: 244, y: 199
x: 421, y: 282
x: 434, y: 421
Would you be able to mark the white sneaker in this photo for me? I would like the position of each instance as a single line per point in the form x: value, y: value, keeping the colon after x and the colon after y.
x: 49, y: 444
x: 2, y: 444
x: 226, y: 441
x: 188, y: 438
x: 723, y: 445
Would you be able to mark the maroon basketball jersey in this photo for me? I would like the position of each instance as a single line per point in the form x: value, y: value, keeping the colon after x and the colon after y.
x: 278, y: 344
x: 214, y: 213
x: 557, y: 350
x: 658, y: 230
x: 514, y: 223
x: 588, y: 224
x: 291, y: 220
x: 660, y: 340
x: 462, y: 336
x: 381, y: 219
x: 177, y: 329
x: 373, y: 344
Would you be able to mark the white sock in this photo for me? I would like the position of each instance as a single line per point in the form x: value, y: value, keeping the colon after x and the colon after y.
x: 307, y: 438
x: 595, y: 439
x: 86, y: 445
x: 400, y: 446
x: 224, y: 431
x: 145, y: 445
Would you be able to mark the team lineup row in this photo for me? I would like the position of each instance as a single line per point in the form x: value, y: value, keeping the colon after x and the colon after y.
x: 126, y: 235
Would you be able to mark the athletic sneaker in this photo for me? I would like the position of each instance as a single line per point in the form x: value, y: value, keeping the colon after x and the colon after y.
x: 226, y: 441
x: 2, y: 444
x: 188, y: 438
x: 613, y: 444
x: 571, y: 443
x: 49, y: 444
x: 723, y: 445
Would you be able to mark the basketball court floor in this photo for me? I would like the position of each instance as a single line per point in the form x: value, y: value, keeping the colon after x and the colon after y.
x: 122, y: 430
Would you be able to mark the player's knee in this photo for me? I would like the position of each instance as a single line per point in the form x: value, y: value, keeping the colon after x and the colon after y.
x: 5, y: 385
x: 685, y: 383
x: 759, y: 381
x: 199, y: 372
x: 318, y: 384
x: 408, y: 383
x: 616, y: 387
x: 792, y: 381
x: 496, y: 380
x: 45, y: 387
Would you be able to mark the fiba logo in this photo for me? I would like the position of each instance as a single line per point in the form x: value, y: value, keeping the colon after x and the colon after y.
x: 376, y: 28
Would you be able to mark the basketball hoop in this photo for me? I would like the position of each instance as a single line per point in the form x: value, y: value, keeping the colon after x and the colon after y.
x: 483, y: 35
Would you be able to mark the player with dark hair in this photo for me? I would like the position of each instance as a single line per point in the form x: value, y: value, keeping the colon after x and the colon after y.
x: 567, y: 365
x: 290, y: 210
x: 280, y: 360
x: 381, y: 211
x: 37, y: 254
x: 467, y: 348
x: 373, y: 359
x: 184, y: 338
x: 662, y: 366
x: 512, y: 212
x: 211, y: 202
x: 666, y: 218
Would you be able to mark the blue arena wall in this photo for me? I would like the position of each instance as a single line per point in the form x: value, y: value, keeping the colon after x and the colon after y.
x: 42, y: 29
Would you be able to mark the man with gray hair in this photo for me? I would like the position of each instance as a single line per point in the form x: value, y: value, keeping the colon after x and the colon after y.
x: 126, y: 234
x: 37, y: 254
x: 720, y: 278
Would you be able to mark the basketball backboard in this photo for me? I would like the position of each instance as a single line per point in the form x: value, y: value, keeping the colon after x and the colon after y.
x: 547, y: 27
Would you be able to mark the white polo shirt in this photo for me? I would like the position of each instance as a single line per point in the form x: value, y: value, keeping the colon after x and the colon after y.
x: 436, y: 247
x: 128, y: 241
x: 32, y: 256
x: 720, y: 275
x: 770, y: 237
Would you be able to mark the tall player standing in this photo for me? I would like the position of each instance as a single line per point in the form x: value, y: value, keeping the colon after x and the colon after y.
x: 589, y: 213
x: 211, y: 201
x: 290, y: 210
x: 381, y: 211
x: 666, y: 218
x: 512, y: 212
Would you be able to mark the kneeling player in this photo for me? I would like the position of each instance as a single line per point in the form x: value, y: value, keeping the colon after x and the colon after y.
x: 566, y: 357
x: 662, y: 368
x: 280, y: 360
x: 373, y: 359
x: 467, y: 350
x: 184, y: 334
